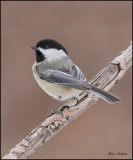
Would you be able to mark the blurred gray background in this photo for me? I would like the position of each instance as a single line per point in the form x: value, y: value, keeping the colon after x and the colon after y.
x: 93, y: 33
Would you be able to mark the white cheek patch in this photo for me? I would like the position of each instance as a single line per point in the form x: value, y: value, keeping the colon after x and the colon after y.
x: 52, y: 54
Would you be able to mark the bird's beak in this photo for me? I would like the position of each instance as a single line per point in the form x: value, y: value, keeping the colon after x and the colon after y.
x: 34, y: 47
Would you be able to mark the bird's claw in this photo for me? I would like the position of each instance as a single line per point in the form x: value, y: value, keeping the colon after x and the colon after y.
x: 55, y: 112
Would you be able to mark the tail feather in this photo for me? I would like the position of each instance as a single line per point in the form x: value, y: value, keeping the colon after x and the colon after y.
x: 110, y: 98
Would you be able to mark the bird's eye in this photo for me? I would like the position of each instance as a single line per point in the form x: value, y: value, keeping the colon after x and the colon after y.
x: 46, y: 47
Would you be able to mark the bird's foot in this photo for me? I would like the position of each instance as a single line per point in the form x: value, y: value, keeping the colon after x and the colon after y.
x: 74, y: 98
x: 55, y: 112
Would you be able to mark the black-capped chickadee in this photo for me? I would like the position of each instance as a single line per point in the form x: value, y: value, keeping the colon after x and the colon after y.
x: 59, y: 77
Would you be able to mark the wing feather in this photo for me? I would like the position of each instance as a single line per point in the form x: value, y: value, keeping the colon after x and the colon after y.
x: 62, y: 78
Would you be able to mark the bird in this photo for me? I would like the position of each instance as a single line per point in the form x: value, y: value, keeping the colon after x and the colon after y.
x: 59, y: 77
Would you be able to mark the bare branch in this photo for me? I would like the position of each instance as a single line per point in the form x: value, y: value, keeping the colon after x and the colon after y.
x: 105, y: 79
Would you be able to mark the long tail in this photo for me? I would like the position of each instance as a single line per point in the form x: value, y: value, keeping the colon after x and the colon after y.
x: 110, y: 98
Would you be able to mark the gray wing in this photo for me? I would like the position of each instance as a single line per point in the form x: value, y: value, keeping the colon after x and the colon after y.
x: 76, y: 73
x: 62, y: 78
